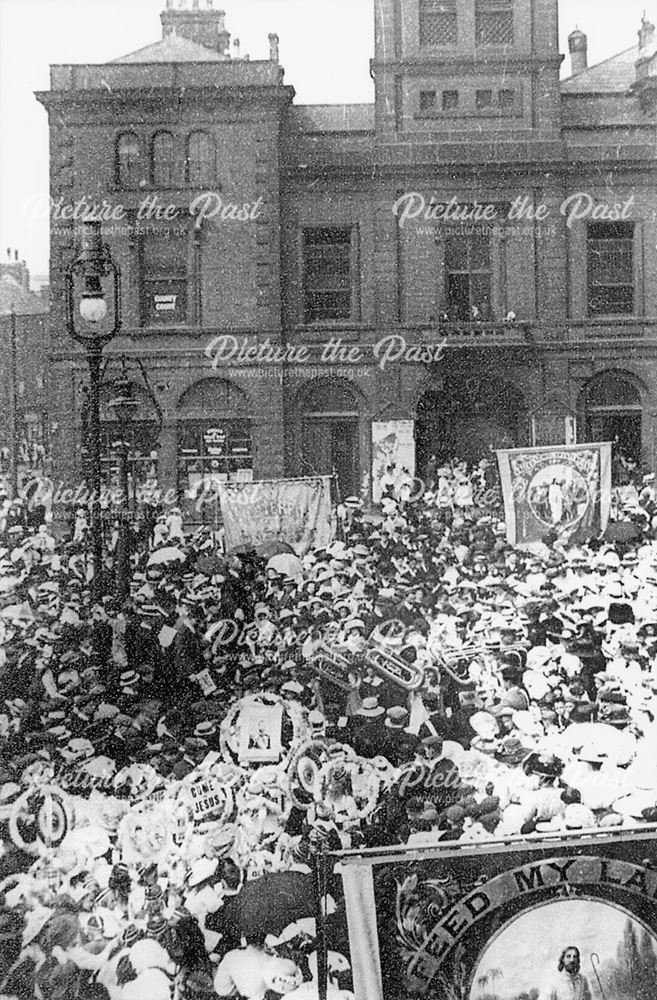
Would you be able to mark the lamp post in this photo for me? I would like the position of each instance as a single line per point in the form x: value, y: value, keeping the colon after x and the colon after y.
x: 123, y: 404
x: 88, y: 280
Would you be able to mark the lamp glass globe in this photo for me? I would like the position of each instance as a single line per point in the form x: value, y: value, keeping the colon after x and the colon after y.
x: 93, y: 308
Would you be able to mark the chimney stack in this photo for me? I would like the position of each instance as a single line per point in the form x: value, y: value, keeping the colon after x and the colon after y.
x: 578, y: 44
x: 201, y: 24
x: 646, y: 34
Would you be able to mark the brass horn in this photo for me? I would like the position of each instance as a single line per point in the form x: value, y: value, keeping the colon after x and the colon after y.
x: 393, y: 668
x: 453, y: 656
x: 448, y: 660
x: 333, y: 667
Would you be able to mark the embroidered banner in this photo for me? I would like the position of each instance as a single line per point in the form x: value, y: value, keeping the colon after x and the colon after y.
x: 564, y: 491
x: 571, y: 917
x: 295, y: 511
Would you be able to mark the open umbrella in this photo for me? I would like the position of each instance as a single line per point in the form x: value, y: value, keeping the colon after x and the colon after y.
x: 210, y: 565
x: 274, y: 547
x: 621, y: 531
x: 166, y: 555
x: 14, y: 612
x: 269, y: 904
x: 287, y: 565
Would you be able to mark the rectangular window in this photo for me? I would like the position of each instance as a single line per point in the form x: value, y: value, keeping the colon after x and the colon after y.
x: 438, y: 24
x: 494, y: 22
x: 329, y: 273
x: 164, y: 284
x: 450, y: 100
x: 506, y: 100
x: 483, y: 100
x: 427, y: 100
x: 468, y: 278
x: 610, y: 268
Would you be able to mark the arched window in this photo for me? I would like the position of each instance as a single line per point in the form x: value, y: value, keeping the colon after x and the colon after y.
x: 612, y: 411
x: 214, y: 443
x: 128, y: 159
x: 162, y: 160
x: 469, y: 416
x: 199, y: 162
x: 135, y: 424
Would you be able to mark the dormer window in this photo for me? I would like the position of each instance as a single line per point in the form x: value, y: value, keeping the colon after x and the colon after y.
x: 438, y: 24
x: 484, y: 100
x: 506, y: 99
x: 427, y: 100
x: 494, y: 22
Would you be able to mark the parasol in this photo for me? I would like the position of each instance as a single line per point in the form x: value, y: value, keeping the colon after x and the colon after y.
x: 269, y: 904
x: 274, y: 547
x: 166, y: 555
x: 287, y: 565
x: 621, y: 531
x: 210, y: 565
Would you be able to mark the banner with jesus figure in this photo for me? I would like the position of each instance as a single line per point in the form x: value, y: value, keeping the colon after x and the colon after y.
x: 562, y: 491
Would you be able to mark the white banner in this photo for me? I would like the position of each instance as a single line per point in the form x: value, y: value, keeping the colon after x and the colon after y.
x: 296, y: 511
x: 393, y: 457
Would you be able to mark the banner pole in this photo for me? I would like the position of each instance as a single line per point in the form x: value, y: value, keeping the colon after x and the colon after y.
x: 320, y: 918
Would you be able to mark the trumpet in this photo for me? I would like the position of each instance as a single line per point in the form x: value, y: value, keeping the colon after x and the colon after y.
x: 333, y: 667
x: 453, y: 656
x: 393, y: 668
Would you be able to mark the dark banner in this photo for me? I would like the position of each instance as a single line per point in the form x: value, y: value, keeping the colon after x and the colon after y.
x: 539, y: 920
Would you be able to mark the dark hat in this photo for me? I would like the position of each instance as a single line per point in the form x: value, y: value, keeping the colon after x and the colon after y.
x: 512, y: 751
x: 545, y: 765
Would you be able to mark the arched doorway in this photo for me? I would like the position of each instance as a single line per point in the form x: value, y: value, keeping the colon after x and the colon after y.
x: 330, y: 415
x: 214, y: 439
x: 468, y: 419
x: 135, y: 422
x: 611, y: 410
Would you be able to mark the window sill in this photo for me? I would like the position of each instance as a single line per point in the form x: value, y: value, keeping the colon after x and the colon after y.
x: 348, y: 329
x: 605, y: 318
x: 186, y: 330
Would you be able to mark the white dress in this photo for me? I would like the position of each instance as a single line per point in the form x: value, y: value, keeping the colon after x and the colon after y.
x: 563, y: 986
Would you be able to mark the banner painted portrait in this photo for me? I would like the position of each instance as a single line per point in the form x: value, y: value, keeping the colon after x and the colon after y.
x: 568, y: 919
x: 563, y: 491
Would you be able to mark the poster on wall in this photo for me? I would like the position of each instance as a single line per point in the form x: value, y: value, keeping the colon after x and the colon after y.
x: 393, y: 457
x: 572, y: 917
x: 565, y: 492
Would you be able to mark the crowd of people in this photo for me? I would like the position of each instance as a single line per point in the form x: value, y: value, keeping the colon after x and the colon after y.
x: 175, y: 758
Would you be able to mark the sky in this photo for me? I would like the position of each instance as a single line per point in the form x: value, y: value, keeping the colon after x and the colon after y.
x: 325, y: 47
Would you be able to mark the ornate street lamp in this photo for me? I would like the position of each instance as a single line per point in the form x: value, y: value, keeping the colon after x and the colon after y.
x: 130, y: 390
x: 90, y: 281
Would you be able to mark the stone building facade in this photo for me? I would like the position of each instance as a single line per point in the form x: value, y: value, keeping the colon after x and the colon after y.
x: 474, y: 251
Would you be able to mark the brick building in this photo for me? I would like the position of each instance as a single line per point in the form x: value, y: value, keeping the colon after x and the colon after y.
x: 24, y: 345
x: 474, y: 251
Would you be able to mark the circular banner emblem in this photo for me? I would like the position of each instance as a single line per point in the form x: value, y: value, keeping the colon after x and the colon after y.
x: 558, y: 495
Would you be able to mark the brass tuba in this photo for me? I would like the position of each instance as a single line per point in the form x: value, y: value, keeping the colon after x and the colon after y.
x: 333, y: 667
x: 449, y: 659
x: 393, y: 668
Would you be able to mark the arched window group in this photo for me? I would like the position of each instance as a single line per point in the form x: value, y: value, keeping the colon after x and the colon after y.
x: 168, y: 163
